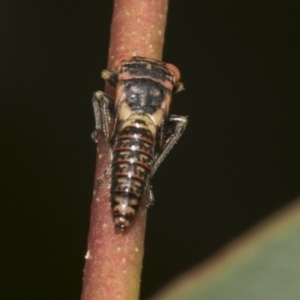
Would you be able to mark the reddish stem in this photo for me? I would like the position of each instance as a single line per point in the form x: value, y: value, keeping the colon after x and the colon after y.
x: 114, y: 259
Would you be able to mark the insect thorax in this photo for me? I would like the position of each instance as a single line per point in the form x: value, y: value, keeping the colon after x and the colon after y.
x: 146, y: 68
x: 144, y: 95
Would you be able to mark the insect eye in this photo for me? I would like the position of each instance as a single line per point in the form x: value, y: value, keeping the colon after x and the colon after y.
x: 174, y: 71
x: 119, y: 61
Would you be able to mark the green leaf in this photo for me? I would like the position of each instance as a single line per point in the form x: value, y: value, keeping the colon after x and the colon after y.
x: 264, y: 264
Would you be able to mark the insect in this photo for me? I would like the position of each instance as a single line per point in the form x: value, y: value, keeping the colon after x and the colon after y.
x: 138, y: 129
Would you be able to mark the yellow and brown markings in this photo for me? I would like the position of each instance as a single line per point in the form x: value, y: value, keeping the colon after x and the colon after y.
x: 138, y: 126
x: 133, y: 155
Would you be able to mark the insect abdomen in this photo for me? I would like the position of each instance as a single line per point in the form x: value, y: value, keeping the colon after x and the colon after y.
x: 133, y: 155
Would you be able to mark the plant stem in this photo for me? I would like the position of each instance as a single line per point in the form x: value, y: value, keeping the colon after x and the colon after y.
x: 114, y: 259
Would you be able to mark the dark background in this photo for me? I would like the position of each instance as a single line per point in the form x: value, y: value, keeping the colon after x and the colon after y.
x: 237, y: 162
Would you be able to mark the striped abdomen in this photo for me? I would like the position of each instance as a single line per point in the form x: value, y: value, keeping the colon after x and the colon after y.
x: 133, y: 155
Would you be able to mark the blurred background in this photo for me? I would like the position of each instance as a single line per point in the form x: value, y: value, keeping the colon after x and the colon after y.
x: 236, y: 164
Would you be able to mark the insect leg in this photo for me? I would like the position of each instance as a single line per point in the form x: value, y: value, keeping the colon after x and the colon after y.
x: 149, y: 197
x: 175, y: 128
x: 103, y: 110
